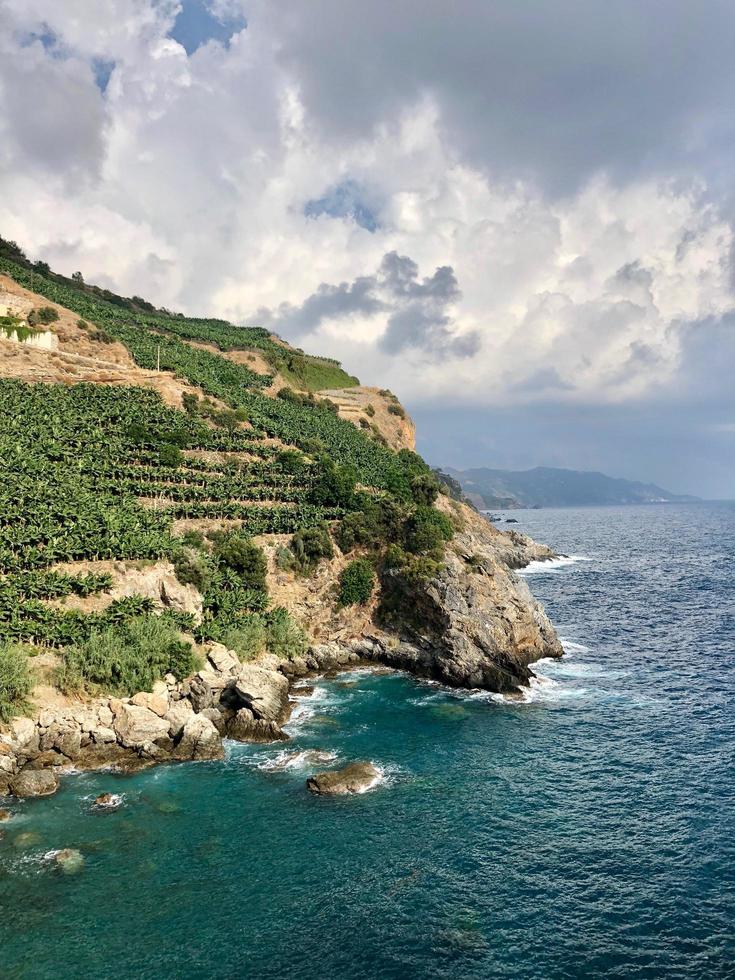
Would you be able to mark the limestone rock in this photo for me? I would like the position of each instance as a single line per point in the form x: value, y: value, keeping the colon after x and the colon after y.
x: 245, y: 727
x: 178, y: 715
x: 205, y: 689
x: 355, y: 778
x: 135, y: 726
x: 38, y: 782
x: 223, y: 661
x: 200, y: 740
x: 153, y: 702
x: 264, y: 692
x: 25, y: 735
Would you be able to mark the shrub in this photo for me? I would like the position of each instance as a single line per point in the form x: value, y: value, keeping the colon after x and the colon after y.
x: 170, y: 455
x: 247, y: 639
x: 243, y: 557
x: 284, y: 637
x: 16, y: 680
x: 356, y: 583
x: 369, y: 410
x: 193, y: 569
x: 309, y: 546
x: 44, y: 314
x: 396, y: 409
x: 291, y: 461
x: 128, y: 658
x: 377, y: 522
x: 190, y: 403
x: 427, y: 530
x: 425, y: 489
x: 335, y: 486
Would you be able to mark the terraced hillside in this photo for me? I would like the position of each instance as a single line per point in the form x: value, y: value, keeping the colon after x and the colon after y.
x: 138, y: 436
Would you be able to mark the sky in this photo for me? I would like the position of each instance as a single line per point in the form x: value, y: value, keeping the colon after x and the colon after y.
x: 517, y: 216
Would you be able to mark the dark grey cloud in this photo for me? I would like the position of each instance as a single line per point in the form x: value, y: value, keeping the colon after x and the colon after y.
x: 417, y: 311
x: 554, y: 89
x: 682, y: 438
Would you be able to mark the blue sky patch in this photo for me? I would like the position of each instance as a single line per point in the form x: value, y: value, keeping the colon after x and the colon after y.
x: 344, y: 200
x: 196, y: 24
x: 102, y: 69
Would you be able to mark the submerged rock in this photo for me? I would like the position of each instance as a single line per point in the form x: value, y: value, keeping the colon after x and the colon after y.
x: 69, y: 861
x: 29, y: 838
x: 355, y: 778
x: 35, y: 782
x: 4, y: 815
x: 108, y: 801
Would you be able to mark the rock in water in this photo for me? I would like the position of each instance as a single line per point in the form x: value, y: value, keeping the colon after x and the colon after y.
x: 355, y: 778
x: 69, y: 861
x: 35, y: 782
x: 262, y: 691
x: 200, y: 740
x: 4, y: 815
x: 108, y: 801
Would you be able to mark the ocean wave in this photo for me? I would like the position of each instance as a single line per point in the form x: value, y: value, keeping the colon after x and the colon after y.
x: 571, y: 646
x: 295, y: 759
x: 551, y: 565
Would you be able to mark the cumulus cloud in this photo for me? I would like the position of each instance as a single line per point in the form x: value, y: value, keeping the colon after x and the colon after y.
x: 503, y: 207
x: 411, y: 313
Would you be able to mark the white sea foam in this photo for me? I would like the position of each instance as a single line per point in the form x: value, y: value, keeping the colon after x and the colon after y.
x: 571, y: 647
x: 551, y: 565
x: 288, y: 759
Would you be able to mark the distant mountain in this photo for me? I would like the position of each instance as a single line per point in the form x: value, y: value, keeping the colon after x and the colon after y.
x: 545, y: 486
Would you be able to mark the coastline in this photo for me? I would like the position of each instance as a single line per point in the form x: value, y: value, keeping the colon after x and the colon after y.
x: 479, y: 628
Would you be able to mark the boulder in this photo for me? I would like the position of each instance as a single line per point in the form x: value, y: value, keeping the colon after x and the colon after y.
x: 245, y: 727
x: 25, y: 736
x: 34, y: 782
x: 108, y: 801
x: 355, y: 778
x: 102, y: 736
x: 7, y: 764
x: 4, y: 784
x: 223, y: 661
x: 264, y: 692
x: 69, y: 861
x: 200, y: 740
x: 178, y: 715
x: 217, y: 719
x: 4, y: 816
x: 135, y: 726
x: 205, y: 689
x: 153, y: 702
x: 47, y: 760
x: 64, y: 736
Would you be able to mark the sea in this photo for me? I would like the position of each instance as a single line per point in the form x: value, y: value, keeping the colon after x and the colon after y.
x: 587, y: 830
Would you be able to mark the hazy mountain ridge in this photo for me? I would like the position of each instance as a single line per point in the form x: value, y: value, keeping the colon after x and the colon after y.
x: 545, y: 486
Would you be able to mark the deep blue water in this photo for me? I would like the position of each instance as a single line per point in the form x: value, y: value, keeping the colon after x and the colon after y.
x: 589, y: 832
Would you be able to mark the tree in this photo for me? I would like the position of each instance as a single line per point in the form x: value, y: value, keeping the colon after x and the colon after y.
x: 78, y: 278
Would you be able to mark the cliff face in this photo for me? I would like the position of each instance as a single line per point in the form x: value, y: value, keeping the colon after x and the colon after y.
x: 476, y: 624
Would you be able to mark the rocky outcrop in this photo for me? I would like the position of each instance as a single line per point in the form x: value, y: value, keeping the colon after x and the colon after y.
x: 355, y: 778
x: 199, y: 740
x: 35, y: 782
x: 475, y: 624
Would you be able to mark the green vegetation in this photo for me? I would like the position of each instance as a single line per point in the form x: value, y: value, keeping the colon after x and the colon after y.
x: 16, y: 680
x: 356, y: 583
x: 44, y: 314
x: 95, y: 472
x: 127, y: 658
x: 308, y: 547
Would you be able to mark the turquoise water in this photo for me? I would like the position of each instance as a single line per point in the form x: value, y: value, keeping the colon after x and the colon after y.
x: 586, y: 832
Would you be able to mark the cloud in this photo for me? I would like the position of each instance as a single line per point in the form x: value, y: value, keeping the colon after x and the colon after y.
x: 413, y: 313
x: 507, y: 209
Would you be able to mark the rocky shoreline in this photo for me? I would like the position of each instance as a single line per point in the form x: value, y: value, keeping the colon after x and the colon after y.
x: 475, y: 625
